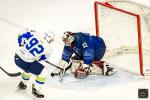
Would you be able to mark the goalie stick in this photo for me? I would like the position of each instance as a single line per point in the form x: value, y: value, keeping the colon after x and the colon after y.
x: 62, y: 70
x: 11, y: 74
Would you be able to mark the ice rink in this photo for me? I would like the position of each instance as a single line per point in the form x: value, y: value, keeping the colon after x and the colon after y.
x: 59, y: 16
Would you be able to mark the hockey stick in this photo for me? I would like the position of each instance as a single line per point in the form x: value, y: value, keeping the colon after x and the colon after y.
x: 62, y: 73
x: 62, y: 70
x: 11, y: 74
x: 53, y: 74
x: 54, y: 65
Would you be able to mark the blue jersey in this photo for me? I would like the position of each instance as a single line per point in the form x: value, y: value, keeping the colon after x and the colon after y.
x: 87, y: 48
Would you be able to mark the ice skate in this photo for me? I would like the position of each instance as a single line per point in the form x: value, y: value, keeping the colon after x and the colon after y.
x: 110, y: 71
x: 22, y: 86
x: 36, y: 93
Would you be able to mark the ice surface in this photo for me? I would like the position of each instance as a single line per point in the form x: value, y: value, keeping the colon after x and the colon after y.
x: 58, y: 16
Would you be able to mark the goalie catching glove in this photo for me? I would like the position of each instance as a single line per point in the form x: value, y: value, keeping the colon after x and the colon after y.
x: 83, y: 71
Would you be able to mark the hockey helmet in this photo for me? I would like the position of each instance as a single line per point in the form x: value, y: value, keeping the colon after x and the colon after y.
x: 68, y: 38
x: 49, y: 36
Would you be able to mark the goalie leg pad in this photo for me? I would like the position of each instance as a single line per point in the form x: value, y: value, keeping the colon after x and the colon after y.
x: 97, y: 68
x: 78, y: 70
x: 75, y: 65
x: 103, y: 68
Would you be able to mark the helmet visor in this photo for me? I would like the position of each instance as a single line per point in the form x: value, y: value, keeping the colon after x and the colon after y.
x: 67, y: 39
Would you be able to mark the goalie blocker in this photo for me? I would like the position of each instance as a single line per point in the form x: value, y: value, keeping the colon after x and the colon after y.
x: 96, y: 68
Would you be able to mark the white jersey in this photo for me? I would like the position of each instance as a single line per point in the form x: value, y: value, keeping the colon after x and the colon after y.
x: 34, y: 48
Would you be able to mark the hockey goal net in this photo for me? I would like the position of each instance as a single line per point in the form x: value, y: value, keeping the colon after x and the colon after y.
x: 125, y: 27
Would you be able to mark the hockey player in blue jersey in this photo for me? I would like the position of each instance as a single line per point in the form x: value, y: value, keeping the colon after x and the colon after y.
x: 84, y: 52
x: 33, y: 48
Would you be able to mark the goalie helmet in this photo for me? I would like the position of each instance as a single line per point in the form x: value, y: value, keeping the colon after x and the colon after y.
x: 68, y: 38
x: 49, y: 36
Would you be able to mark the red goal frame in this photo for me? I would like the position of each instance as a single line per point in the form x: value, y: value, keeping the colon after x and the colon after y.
x: 137, y: 16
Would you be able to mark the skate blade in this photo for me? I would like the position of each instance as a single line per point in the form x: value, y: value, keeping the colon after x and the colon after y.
x: 36, y: 98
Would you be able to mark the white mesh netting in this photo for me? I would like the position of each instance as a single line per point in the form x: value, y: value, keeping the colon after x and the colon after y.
x: 118, y: 25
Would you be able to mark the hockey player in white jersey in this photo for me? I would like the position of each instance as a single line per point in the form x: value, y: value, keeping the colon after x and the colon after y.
x: 33, y: 48
x: 88, y: 51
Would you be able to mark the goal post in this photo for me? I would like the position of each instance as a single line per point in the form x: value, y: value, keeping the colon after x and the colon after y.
x: 125, y: 27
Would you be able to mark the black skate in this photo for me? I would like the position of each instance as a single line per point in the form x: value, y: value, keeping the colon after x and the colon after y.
x: 22, y: 86
x: 36, y: 93
x: 110, y: 71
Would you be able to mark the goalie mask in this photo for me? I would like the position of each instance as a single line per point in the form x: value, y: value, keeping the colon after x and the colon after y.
x: 68, y: 38
x: 49, y: 37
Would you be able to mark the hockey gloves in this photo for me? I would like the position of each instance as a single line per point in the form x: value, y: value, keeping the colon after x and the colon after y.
x: 63, y: 65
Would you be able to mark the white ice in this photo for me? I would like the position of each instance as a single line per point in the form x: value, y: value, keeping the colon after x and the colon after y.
x: 59, y: 16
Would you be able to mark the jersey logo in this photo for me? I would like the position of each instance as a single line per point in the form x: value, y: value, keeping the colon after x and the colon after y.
x: 84, y: 45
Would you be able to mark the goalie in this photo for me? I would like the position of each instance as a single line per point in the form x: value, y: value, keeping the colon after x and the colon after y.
x: 84, y: 53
